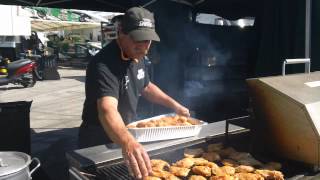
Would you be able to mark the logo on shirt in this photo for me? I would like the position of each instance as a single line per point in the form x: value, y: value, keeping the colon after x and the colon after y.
x: 126, y: 83
x: 140, y: 74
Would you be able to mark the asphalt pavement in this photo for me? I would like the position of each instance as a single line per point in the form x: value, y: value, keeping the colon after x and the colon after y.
x: 55, y: 116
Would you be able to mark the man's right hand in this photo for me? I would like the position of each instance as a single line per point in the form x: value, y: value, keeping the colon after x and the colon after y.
x: 133, y: 152
x: 136, y: 158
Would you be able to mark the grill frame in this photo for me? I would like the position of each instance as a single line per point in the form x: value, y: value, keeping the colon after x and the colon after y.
x: 299, y: 171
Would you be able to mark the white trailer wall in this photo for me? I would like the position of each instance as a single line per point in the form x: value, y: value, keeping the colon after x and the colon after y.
x: 12, y: 24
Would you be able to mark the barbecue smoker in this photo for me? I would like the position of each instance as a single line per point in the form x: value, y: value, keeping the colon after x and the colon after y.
x: 287, y: 110
x: 284, y: 128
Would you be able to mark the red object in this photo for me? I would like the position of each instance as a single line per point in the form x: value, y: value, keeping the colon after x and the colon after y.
x: 25, y: 69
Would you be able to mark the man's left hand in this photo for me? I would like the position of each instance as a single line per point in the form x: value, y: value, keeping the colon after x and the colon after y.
x: 181, y: 110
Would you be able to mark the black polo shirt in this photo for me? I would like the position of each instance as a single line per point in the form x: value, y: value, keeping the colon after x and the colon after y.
x: 109, y: 75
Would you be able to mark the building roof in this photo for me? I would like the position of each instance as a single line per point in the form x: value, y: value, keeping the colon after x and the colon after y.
x: 50, y: 25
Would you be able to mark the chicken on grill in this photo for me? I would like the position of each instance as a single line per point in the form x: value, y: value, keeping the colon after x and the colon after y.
x: 215, y: 147
x: 151, y: 178
x: 185, y: 163
x: 211, y: 156
x: 159, y: 165
x: 197, y: 177
x: 228, y: 170
x: 223, y: 177
x: 192, y: 153
x: 240, y: 166
x: 244, y: 169
x: 199, y: 161
x: 160, y: 174
x: 270, y: 175
x: 230, y: 162
x: 179, y: 171
x: 202, y: 170
x: 248, y: 176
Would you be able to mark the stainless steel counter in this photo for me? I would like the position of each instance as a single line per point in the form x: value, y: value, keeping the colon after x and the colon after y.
x: 98, y: 154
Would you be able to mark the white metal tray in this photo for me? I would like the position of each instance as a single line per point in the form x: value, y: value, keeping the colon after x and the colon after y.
x: 164, y: 133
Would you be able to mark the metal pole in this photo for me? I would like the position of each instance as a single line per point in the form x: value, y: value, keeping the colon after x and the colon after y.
x: 308, y: 33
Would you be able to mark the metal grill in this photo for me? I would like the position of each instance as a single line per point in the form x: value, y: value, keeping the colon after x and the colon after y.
x: 239, y: 140
x: 119, y: 172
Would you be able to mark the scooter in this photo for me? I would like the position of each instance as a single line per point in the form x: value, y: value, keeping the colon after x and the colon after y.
x: 18, y: 72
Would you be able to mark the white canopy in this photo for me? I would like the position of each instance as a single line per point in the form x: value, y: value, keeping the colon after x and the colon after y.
x: 49, y: 25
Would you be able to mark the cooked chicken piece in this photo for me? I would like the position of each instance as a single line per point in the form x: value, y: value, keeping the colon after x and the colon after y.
x: 183, y: 118
x: 172, y: 177
x: 176, y: 117
x: 193, y: 121
x: 181, y: 121
x: 185, y: 124
x: 142, y: 124
x: 244, y: 169
x: 270, y: 175
x: 211, y: 156
x: 185, y: 162
x: 216, y: 170
x: 210, y: 164
x: 248, y: 176
x: 199, y: 161
x: 160, y: 174
x: 215, y: 147
x: 223, y: 177
x: 245, y: 159
x: 166, y: 121
x: 250, y: 162
x: 202, y: 170
x: 272, y: 166
x: 179, y: 171
x: 239, y: 155
x: 230, y: 162
x: 228, y: 170
x: 131, y: 126
x: 146, y: 124
x: 151, y: 178
x: 197, y: 152
x: 197, y: 177
x: 158, y: 164
x: 226, y: 152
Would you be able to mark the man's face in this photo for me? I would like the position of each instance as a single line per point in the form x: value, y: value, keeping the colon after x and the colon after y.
x: 133, y: 49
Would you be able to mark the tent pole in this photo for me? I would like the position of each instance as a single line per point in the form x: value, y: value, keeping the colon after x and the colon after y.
x: 149, y: 3
x: 307, y: 33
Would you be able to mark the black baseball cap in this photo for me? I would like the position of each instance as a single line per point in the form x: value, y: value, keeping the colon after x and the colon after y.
x: 139, y: 24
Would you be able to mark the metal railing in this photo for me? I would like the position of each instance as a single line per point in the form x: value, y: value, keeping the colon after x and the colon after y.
x: 305, y: 61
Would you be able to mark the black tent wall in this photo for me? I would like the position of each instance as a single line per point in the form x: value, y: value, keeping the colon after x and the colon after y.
x: 281, y: 31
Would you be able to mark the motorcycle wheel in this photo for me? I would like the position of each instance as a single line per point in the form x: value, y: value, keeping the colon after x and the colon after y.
x: 38, y: 73
x: 30, y: 82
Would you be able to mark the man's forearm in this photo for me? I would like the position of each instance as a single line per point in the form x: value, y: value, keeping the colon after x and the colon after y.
x: 154, y: 94
x: 114, y: 125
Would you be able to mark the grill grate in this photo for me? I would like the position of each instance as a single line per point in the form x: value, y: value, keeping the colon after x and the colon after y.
x: 119, y: 172
x: 292, y: 170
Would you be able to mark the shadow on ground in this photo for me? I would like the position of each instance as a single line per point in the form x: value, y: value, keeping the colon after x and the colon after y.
x: 50, y: 147
x: 78, y: 78
x: 11, y: 87
x: 75, y: 64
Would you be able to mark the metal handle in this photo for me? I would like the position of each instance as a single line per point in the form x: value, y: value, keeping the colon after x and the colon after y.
x: 296, y: 61
x: 35, y: 168
x: 76, y: 174
x: 2, y: 164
